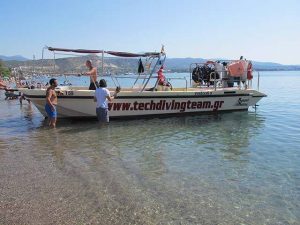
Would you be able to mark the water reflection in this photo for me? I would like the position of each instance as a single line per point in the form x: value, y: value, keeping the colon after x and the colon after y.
x: 150, y: 143
x: 27, y: 111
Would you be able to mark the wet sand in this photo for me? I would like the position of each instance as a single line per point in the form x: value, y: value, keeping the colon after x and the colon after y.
x: 37, y: 190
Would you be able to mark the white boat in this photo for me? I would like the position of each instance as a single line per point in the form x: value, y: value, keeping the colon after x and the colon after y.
x: 139, y: 100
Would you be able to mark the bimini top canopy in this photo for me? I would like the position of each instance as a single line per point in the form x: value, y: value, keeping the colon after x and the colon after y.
x: 119, y: 54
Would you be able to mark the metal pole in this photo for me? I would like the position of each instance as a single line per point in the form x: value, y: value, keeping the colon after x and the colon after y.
x: 43, y: 60
x: 34, y: 64
x: 215, y: 82
x: 191, y: 74
x: 258, y: 80
x: 54, y: 60
x: 153, y: 70
x: 102, y: 63
x: 136, y: 79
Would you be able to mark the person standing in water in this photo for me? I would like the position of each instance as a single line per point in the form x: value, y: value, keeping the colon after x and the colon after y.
x: 92, y: 73
x: 102, y: 96
x: 51, y: 102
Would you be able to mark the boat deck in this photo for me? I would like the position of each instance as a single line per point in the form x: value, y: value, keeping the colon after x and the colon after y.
x: 189, y: 89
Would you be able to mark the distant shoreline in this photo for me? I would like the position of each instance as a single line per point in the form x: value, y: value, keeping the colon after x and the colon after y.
x: 259, y: 70
x: 120, y: 65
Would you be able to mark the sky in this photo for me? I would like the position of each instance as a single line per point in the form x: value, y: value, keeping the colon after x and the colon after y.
x: 261, y: 30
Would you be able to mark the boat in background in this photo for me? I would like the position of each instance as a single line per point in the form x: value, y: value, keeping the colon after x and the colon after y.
x: 210, y: 90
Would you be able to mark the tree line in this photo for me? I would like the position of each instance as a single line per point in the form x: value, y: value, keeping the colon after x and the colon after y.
x: 4, y: 71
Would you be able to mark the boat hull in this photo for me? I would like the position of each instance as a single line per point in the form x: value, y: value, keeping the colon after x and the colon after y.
x: 80, y: 103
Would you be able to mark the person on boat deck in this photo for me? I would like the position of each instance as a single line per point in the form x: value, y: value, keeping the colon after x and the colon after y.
x: 102, y: 96
x: 51, y: 102
x: 162, y: 83
x: 92, y: 73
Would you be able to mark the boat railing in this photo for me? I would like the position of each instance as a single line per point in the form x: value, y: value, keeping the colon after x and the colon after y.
x: 213, y: 78
x: 145, y: 77
x: 154, y: 69
x: 258, y: 78
x: 180, y: 78
x: 148, y: 63
x: 115, y: 80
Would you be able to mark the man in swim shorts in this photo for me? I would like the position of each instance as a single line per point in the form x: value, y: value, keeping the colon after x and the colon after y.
x: 51, y: 102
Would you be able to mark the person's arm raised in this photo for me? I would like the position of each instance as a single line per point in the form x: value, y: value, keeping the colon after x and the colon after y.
x: 110, y: 98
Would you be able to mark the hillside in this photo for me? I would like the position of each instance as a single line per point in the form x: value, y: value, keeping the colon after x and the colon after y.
x: 14, y: 57
x: 117, y: 65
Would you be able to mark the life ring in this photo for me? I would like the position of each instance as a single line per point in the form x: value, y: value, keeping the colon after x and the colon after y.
x: 249, y: 71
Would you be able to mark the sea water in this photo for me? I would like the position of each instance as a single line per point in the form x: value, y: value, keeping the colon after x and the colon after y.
x: 231, y: 168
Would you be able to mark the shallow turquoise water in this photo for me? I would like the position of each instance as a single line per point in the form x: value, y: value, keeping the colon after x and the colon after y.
x: 233, y: 168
